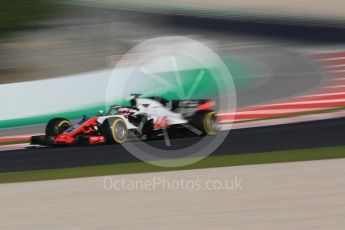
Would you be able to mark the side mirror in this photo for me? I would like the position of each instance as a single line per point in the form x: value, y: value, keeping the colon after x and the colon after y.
x: 100, y: 113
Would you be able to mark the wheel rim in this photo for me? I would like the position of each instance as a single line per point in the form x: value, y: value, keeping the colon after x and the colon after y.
x: 119, y: 131
x: 214, y: 127
x: 211, y: 124
x: 62, y: 126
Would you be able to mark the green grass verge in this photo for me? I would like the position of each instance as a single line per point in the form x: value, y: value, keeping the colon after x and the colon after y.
x: 209, y: 162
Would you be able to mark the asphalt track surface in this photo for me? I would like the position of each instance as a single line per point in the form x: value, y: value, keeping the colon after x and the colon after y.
x: 281, y: 137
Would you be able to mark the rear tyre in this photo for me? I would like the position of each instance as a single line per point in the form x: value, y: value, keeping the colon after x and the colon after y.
x: 56, y: 126
x: 115, y: 131
x: 206, y: 122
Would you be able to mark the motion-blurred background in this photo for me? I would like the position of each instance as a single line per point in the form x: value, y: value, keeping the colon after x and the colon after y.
x: 43, y: 39
x: 287, y: 60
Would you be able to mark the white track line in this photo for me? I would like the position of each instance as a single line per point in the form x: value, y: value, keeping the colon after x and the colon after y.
x: 335, y: 86
x: 289, y: 120
x: 303, y: 102
x: 338, y: 79
x: 20, y: 136
x: 330, y: 59
x: 270, y: 111
x: 13, y: 147
x: 334, y: 66
x: 323, y: 94
x: 337, y: 71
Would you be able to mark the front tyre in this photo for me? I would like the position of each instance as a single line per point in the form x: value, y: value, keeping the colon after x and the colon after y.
x: 56, y: 126
x: 115, y: 131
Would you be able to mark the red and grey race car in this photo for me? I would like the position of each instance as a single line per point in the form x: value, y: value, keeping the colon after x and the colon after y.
x: 145, y: 118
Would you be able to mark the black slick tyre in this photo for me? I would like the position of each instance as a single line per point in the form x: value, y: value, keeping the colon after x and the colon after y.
x: 56, y: 126
x: 115, y: 131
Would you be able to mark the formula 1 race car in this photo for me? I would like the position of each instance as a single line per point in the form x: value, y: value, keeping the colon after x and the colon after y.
x: 145, y: 118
